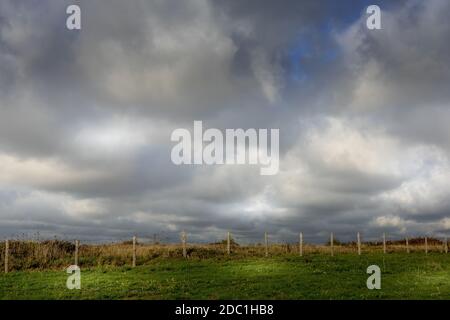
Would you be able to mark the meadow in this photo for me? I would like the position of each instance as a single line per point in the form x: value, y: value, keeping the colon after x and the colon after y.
x: 208, y: 272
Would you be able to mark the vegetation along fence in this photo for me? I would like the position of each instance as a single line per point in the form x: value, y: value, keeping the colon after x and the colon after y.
x: 48, y: 254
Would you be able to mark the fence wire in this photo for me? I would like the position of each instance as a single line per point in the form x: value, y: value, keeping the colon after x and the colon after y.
x: 59, y: 253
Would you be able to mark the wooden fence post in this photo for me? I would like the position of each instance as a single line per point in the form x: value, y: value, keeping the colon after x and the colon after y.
x: 446, y: 245
x: 301, y: 244
x: 228, y: 243
x: 134, y: 251
x: 407, y: 245
x: 426, y: 245
x: 332, y: 244
x: 6, y: 256
x: 77, y: 244
x: 183, y: 241
x: 384, y: 242
x: 359, y: 243
x: 266, y: 244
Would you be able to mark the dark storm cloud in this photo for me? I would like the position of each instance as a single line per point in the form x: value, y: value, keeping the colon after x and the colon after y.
x: 86, y: 117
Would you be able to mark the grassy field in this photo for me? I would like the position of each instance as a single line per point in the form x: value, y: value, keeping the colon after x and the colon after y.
x: 315, y: 276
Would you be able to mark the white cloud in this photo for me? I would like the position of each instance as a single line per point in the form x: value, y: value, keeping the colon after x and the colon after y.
x: 426, y: 191
x: 390, y: 221
x: 445, y: 223
x: 42, y: 173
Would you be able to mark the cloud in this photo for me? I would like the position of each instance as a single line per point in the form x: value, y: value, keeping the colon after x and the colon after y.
x: 86, y: 118
x: 445, y: 223
x: 390, y: 221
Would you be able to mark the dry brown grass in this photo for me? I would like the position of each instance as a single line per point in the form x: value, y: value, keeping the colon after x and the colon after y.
x: 54, y: 254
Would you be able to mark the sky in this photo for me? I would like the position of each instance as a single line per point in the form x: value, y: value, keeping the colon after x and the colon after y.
x: 86, y: 118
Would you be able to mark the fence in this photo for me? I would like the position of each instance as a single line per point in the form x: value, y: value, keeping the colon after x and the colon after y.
x: 51, y: 253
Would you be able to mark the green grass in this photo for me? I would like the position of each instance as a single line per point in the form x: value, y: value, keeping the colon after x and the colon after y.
x: 316, y: 276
